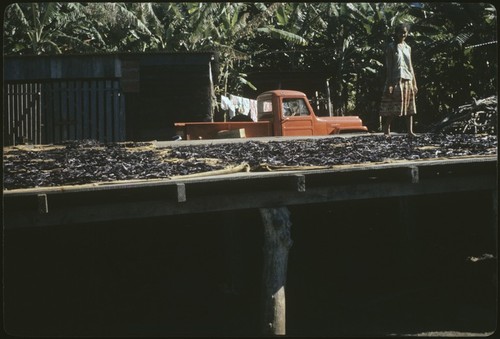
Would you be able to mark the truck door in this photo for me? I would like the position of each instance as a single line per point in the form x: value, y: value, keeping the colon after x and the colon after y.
x: 296, y: 119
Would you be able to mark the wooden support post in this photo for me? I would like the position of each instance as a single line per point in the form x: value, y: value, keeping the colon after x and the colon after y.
x: 277, y: 242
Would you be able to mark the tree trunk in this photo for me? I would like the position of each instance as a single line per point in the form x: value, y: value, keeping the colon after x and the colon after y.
x: 277, y: 242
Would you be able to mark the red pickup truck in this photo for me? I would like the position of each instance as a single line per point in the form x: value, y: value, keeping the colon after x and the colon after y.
x: 280, y: 113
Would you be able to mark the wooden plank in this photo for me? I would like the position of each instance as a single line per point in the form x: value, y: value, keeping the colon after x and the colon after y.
x: 108, y: 97
x: 48, y: 108
x: 86, y: 109
x: 75, y: 110
x: 18, y: 105
x: 71, y: 123
x: 26, y: 112
x: 115, y: 102
x: 22, y: 118
x: 79, y: 122
x: 101, y: 113
x: 7, y: 116
x: 64, y: 123
x: 33, y: 105
x: 93, y: 110
x: 12, y: 115
x: 40, y: 113
x: 17, y: 117
x: 33, y: 112
x: 277, y: 243
x: 57, y: 111
x: 32, y: 116
x: 73, y: 212
x: 122, y: 115
x: 38, y: 124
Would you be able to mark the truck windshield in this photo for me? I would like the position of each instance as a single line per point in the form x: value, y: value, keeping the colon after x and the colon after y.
x: 294, y: 107
x: 265, y: 109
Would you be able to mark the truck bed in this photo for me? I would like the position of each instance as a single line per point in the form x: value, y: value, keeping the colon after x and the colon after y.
x: 211, y: 130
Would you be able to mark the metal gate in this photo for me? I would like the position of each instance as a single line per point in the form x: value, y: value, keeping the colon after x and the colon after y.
x: 56, y: 111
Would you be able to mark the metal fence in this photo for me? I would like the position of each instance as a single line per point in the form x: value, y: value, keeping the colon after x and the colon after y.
x: 58, y: 110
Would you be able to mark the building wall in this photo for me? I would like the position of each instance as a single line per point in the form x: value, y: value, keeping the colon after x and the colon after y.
x: 109, y: 98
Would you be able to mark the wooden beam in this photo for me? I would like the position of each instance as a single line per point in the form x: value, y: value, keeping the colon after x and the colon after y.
x: 70, y: 210
x: 277, y: 243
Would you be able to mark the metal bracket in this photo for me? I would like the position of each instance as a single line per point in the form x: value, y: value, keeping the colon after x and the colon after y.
x: 43, y: 204
x: 414, y: 175
x: 181, y: 192
x: 300, y: 182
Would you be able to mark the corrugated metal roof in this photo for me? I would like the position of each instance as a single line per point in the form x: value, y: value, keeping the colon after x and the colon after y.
x: 93, y: 65
x: 112, y: 54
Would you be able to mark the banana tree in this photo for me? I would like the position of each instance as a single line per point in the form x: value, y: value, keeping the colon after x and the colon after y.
x: 43, y: 28
x: 124, y: 27
x: 457, y: 56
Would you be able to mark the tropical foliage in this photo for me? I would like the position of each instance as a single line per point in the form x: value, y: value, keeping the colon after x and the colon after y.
x: 454, y: 44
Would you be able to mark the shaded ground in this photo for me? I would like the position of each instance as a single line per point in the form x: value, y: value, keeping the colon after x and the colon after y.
x: 351, y: 273
x: 363, y: 277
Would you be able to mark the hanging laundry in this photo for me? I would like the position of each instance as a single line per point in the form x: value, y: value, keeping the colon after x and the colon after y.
x: 227, y: 105
x: 237, y: 102
x: 246, y: 106
x: 253, y: 109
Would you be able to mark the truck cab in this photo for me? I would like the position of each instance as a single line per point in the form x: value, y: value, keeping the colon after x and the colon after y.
x: 290, y: 114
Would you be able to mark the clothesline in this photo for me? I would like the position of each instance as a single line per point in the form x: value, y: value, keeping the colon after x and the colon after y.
x: 235, y: 104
